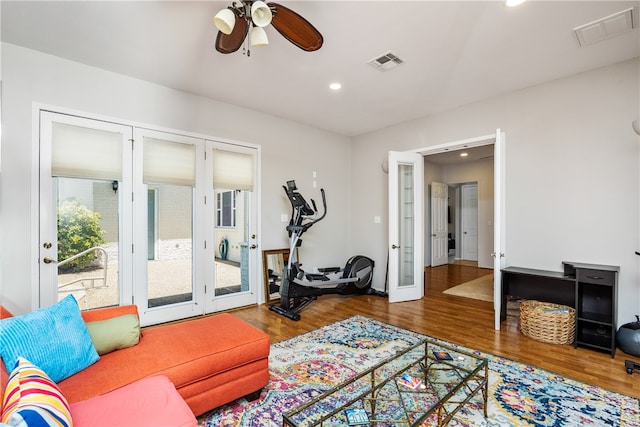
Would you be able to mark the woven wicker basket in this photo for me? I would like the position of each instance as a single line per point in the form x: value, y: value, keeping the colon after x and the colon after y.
x: 547, y: 322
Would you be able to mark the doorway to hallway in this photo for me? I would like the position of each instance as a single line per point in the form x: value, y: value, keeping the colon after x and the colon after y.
x: 439, y: 279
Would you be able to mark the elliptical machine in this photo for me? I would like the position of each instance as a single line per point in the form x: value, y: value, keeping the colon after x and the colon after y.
x: 299, y: 288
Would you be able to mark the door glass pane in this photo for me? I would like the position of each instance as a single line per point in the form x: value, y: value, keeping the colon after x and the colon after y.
x: 232, y: 237
x: 170, y: 248
x: 406, y: 224
x: 169, y: 175
x: 87, y: 251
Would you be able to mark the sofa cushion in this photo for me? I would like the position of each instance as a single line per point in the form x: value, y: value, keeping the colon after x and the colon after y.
x: 151, y: 401
x: 114, y: 334
x: 54, y: 338
x: 32, y: 399
x: 186, y: 352
x: 105, y: 313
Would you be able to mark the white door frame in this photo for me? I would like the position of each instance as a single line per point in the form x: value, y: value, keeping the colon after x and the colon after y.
x: 498, y: 140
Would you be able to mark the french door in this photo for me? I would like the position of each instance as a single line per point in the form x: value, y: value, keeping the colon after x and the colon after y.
x: 168, y: 223
x: 398, y: 204
x: 232, y: 188
x: 85, y: 238
x: 406, y: 263
x: 131, y: 215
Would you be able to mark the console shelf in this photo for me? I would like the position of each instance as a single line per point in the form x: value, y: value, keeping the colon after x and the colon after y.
x: 591, y: 289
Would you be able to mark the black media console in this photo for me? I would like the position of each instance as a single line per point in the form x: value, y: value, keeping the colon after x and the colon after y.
x: 591, y: 289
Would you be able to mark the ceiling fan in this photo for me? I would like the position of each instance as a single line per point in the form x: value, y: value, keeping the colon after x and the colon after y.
x: 234, y: 22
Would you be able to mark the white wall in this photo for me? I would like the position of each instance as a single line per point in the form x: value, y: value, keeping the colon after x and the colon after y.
x: 289, y: 151
x: 572, y: 173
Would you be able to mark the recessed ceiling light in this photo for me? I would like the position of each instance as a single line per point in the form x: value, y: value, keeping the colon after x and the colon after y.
x: 335, y: 86
x: 512, y: 3
x: 464, y: 154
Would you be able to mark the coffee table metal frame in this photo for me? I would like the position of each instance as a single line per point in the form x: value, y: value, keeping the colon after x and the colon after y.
x: 469, y: 372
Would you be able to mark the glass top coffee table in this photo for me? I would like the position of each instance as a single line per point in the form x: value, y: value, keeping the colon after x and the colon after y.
x: 428, y: 381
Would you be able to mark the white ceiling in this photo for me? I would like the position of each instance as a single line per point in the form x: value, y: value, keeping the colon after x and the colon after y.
x: 455, y: 52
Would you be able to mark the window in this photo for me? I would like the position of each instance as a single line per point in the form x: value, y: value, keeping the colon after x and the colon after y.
x: 226, y: 209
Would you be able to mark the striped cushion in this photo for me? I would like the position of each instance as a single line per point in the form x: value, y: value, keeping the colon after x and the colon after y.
x: 32, y: 399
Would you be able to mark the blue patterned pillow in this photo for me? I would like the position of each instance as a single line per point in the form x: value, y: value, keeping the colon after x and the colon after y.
x: 53, y: 338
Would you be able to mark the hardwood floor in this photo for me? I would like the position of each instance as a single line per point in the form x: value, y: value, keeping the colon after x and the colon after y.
x: 459, y: 320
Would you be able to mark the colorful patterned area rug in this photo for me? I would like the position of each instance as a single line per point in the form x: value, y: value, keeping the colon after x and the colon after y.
x: 304, y: 367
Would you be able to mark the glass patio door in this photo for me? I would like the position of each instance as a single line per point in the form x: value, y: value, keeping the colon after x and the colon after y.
x: 130, y: 215
x: 169, y: 226
x: 83, y: 174
x: 233, y: 190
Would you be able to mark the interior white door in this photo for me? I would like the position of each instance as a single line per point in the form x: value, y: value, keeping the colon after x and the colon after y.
x: 499, y: 223
x: 469, y: 214
x: 439, y: 224
x: 406, y: 225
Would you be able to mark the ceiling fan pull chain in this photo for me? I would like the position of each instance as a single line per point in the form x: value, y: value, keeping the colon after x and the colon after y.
x: 247, y: 16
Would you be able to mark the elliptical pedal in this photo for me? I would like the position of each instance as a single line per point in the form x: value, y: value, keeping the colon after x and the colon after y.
x: 630, y: 365
x: 284, y: 312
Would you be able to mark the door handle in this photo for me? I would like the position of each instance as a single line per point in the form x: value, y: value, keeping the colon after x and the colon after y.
x: 48, y: 260
x: 395, y: 247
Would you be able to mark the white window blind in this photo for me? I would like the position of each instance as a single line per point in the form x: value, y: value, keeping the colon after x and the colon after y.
x: 232, y: 171
x: 167, y: 162
x: 79, y: 152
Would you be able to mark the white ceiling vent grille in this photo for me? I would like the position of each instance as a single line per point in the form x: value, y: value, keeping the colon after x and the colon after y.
x: 386, y: 61
x: 605, y: 28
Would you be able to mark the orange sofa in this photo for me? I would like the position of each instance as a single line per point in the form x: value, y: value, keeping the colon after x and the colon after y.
x: 211, y: 360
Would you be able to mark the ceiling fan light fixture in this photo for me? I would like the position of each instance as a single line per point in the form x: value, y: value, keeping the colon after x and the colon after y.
x: 225, y: 20
x: 244, y: 15
x: 261, y: 14
x: 259, y: 37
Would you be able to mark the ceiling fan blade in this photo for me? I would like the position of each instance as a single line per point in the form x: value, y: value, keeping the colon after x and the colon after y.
x: 228, y: 43
x: 295, y: 28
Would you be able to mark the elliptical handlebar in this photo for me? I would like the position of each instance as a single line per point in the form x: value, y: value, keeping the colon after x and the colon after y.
x: 324, y: 210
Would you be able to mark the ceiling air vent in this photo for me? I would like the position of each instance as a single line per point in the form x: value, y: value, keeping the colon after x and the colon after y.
x: 605, y: 28
x: 386, y: 61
